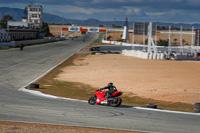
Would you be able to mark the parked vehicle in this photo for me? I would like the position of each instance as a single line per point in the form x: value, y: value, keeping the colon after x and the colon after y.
x: 95, y: 49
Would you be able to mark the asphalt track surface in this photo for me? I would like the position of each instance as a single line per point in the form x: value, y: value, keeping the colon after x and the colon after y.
x: 18, y: 68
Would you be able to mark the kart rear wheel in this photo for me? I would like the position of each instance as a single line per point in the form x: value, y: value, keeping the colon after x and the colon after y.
x: 92, y: 100
x: 116, y: 102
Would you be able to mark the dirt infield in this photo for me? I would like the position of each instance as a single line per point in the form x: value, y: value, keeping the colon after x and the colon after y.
x: 172, y: 81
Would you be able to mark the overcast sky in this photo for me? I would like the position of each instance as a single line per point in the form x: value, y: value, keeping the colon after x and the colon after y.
x: 184, y: 11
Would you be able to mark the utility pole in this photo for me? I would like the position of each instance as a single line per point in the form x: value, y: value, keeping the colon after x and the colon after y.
x: 144, y: 36
x: 62, y: 25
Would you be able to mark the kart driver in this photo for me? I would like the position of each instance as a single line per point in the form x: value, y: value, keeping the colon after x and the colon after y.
x: 111, y: 89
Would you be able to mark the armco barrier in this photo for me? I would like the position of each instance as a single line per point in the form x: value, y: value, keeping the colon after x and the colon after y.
x: 9, y: 44
x: 105, y: 41
x: 37, y: 41
x: 28, y: 42
x: 120, y: 43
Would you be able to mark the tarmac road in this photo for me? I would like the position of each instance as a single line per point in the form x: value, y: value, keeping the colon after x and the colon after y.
x: 18, y: 68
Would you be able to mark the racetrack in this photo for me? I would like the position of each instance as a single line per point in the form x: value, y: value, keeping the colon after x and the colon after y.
x: 18, y: 68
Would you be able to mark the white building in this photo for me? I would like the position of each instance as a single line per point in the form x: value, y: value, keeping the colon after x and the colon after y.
x: 34, y: 15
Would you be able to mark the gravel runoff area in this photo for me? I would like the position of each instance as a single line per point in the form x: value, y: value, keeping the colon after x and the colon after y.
x: 171, y: 81
x: 8, y: 127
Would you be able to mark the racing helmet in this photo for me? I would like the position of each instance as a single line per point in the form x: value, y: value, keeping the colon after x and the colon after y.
x: 110, y: 84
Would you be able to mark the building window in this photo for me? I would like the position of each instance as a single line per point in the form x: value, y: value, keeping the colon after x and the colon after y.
x: 34, y: 9
x: 34, y: 15
x: 36, y: 21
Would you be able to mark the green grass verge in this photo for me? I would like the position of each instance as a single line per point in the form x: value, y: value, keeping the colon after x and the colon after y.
x: 100, y: 37
x: 50, y: 85
x: 4, y: 48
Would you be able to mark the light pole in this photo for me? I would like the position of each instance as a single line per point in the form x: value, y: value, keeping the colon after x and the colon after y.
x: 192, y: 44
x: 169, y: 43
x: 181, y: 41
x: 133, y: 39
x: 62, y: 25
x: 114, y: 28
x: 144, y: 36
x: 198, y: 38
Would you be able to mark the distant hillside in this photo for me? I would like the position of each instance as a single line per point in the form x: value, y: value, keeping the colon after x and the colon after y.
x: 178, y: 25
x: 17, y: 14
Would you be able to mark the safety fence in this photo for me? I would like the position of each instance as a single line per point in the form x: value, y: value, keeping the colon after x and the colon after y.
x: 140, y: 51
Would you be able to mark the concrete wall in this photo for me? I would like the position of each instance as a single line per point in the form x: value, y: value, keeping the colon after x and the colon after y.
x: 144, y: 55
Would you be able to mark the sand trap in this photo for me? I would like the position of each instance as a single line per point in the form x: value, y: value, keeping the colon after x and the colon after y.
x: 176, y: 81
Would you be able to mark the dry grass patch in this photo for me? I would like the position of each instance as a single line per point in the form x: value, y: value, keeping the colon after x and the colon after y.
x: 141, y: 102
